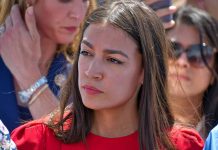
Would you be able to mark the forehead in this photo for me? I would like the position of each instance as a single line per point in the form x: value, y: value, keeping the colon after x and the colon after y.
x: 187, y: 34
x: 183, y: 32
x: 107, y: 35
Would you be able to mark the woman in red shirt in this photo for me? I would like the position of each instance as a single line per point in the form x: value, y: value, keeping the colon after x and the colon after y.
x: 118, y: 89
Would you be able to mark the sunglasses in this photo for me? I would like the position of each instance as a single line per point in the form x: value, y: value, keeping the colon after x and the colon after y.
x: 197, y: 54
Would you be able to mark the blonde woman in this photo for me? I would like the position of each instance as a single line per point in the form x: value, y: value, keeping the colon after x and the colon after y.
x: 33, y: 66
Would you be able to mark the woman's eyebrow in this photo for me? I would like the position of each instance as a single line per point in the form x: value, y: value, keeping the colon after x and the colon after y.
x: 113, y: 51
x: 107, y: 51
x: 87, y: 44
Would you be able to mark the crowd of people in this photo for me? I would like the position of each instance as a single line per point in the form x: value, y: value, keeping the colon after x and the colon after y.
x: 87, y: 74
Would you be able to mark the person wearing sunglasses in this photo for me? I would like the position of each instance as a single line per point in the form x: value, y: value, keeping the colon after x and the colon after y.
x: 192, y: 76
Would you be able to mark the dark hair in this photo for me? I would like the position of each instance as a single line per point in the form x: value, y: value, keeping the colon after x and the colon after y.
x: 207, y: 27
x: 155, y: 119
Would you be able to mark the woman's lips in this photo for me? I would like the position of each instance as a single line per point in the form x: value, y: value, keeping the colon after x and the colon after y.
x: 180, y: 77
x: 91, y: 90
x: 71, y: 29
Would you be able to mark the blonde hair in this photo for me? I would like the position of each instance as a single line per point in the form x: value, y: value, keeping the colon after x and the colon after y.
x: 5, y: 8
x: 6, y: 5
x: 76, y: 41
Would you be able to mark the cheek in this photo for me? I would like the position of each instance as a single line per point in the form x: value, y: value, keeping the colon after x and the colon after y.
x: 54, y: 16
x: 172, y: 65
x: 123, y: 84
x: 47, y: 14
x: 45, y: 21
x: 203, y: 78
x: 81, y: 69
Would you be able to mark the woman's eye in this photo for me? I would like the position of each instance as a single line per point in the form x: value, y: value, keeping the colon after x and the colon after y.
x: 85, y: 53
x: 115, y: 61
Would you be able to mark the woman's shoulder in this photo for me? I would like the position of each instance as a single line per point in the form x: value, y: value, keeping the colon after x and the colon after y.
x: 34, y: 135
x: 38, y: 125
x: 186, y: 138
x: 38, y: 134
x: 30, y: 135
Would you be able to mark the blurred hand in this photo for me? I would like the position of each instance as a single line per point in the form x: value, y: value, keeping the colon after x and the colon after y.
x: 163, y: 12
x: 20, y: 45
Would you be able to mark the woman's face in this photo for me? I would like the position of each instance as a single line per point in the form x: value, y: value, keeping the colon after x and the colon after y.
x: 58, y: 20
x: 110, y: 68
x: 184, y: 78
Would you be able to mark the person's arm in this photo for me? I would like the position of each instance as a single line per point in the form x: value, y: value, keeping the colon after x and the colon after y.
x: 20, y: 50
x: 45, y: 103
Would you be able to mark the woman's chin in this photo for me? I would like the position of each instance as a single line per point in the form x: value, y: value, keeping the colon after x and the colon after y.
x: 66, y: 40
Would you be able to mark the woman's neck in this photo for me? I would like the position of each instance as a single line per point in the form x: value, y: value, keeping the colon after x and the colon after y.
x: 115, y: 123
x: 186, y: 110
x: 48, y: 51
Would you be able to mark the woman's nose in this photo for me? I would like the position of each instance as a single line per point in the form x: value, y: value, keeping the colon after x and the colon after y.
x: 94, y: 71
x: 182, y: 60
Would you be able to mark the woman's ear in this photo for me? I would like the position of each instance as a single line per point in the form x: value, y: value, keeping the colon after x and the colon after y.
x: 212, y: 80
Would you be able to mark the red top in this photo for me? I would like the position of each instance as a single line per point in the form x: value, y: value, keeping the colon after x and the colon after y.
x: 37, y: 136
